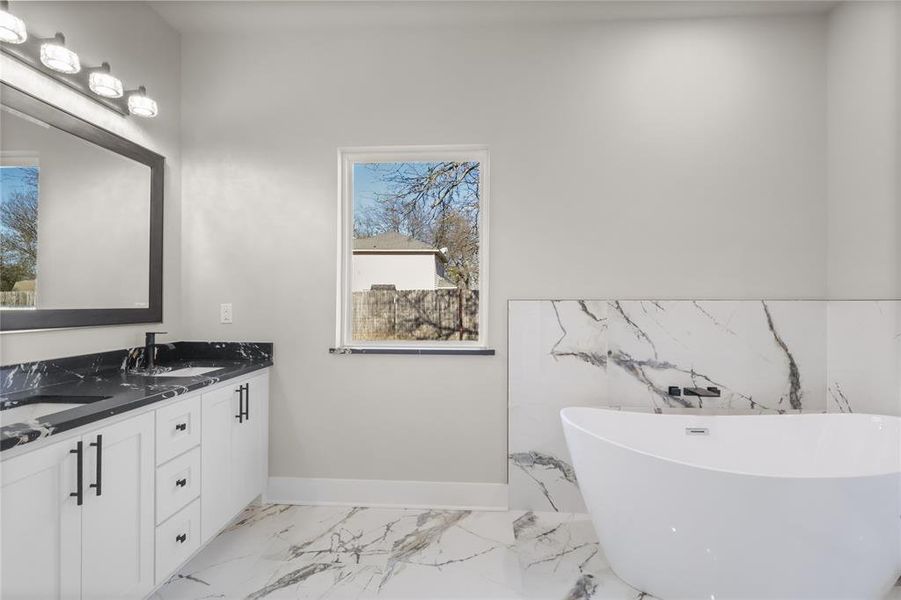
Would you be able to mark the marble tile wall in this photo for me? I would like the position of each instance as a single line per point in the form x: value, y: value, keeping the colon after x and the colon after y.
x: 557, y: 358
x: 864, y: 357
x: 765, y: 356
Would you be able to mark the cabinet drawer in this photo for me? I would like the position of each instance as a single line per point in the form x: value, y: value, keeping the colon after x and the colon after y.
x: 177, y: 428
x: 176, y: 540
x: 177, y: 483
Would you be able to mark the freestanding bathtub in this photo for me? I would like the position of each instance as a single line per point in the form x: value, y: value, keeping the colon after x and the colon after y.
x: 755, y: 507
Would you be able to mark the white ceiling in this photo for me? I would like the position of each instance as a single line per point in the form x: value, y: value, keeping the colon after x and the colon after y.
x: 196, y: 16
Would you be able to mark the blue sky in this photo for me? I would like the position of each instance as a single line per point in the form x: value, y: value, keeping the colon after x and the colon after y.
x: 12, y: 179
x: 367, y: 185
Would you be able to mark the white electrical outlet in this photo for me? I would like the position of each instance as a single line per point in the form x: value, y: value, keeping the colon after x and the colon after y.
x: 225, y: 313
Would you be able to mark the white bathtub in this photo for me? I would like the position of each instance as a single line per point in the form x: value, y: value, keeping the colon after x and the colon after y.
x: 759, y: 507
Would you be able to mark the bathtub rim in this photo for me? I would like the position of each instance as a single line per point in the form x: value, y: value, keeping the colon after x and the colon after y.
x: 566, y: 420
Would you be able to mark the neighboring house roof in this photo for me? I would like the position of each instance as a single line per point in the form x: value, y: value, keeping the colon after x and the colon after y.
x: 390, y: 241
x: 442, y: 283
x: 393, y: 242
x: 24, y: 285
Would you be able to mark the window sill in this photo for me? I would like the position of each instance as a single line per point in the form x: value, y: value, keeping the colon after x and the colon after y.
x: 416, y: 351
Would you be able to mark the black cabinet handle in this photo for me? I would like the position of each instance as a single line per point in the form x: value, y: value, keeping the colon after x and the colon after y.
x: 181, y: 482
x: 97, y: 485
x: 181, y: 538
x: 79, y: 472
x: 181, y: 427
x: 246, y: 387
x: 240, y: 415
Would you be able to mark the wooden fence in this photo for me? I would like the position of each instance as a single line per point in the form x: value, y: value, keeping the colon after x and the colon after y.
x: 17, y: 299
x: 416, y: 315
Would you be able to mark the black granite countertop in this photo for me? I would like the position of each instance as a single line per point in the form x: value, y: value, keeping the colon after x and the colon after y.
x: 112, y: 376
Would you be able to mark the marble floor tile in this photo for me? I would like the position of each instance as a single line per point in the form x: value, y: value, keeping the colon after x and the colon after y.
x: 280, y: 552
x: 276, y: 551
x: 560, y: 558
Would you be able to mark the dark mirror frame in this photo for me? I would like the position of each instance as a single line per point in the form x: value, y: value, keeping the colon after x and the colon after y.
x: 12, y: 320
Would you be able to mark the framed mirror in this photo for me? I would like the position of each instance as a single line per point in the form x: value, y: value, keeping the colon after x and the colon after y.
x: 81, y: 221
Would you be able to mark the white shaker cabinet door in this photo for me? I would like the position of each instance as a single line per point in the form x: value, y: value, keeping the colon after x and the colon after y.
x: 218, y: 412
x: 40, y: 524
x: 247, y: 450
x: 118, y: 512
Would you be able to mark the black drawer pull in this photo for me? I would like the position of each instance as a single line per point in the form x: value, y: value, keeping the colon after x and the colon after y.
x: 98, y: 485
x: 181, y: 538
x: 78, y: 494
x: 240, y: 415
x: 181, y: 427
x: 181, y: 482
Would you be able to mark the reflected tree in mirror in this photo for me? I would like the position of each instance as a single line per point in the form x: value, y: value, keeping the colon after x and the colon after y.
x: 18, y: 236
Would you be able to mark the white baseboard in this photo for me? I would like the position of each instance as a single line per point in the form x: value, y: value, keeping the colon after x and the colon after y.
x: 388, y: 494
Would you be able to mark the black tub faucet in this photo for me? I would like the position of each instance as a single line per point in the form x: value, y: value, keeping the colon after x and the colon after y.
x: 709, y: 392
x: 150, y: 347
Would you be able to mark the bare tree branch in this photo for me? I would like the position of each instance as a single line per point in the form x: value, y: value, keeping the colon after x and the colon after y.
x: 437, y: 203
x: 19, y: 231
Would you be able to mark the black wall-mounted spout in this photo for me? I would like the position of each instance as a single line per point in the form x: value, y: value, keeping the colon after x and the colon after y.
x: 709, y: 392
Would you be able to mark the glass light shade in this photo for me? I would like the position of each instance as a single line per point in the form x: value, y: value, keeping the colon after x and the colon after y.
x: 59, y: 58
x: 142, y: 106
x: 12, y: 28
x: 104, y: 84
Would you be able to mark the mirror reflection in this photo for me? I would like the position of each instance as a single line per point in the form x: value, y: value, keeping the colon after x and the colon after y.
x: 74, y: 221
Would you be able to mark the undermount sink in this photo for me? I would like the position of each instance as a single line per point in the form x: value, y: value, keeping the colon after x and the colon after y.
x: 188, y: 372
x: 41, y: 405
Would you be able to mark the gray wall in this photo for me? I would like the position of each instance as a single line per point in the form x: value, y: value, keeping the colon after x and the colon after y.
x: 864, y: 124
x: 681, y: 158
x: 142, y: 49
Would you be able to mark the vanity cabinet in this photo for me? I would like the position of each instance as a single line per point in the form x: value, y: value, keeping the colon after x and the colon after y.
x: 233, y: 450
x: 113, y: 512
x: 85, y: 531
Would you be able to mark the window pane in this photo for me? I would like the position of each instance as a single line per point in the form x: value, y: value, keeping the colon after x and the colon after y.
x: 415, y: 271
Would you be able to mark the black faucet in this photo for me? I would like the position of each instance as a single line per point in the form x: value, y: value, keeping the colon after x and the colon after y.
x: 709, y: 392
x: 150, y: 347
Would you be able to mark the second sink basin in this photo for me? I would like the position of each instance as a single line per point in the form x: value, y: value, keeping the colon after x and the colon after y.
x: 189, y: 372
x: 41, y: 405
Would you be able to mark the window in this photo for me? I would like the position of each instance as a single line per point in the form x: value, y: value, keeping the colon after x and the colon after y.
x: 413, y: 256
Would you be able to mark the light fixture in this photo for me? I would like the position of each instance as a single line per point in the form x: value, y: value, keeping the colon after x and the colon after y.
x: 51, y: 57
x: 103, y: 84
x: 12, y: 28
x: 56, y: 56
x: 139, y: 104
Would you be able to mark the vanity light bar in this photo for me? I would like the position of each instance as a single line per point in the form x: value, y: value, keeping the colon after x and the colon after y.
x: 51, y: 57
x: 55, y: 55
x: 139, y: 104
x: 103, y: 84
x: 12, y: 28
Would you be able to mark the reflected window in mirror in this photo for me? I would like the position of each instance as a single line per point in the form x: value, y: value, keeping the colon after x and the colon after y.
x: 19, y: 193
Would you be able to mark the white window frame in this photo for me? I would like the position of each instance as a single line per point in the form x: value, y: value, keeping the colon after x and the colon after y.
x: 347, y: 157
